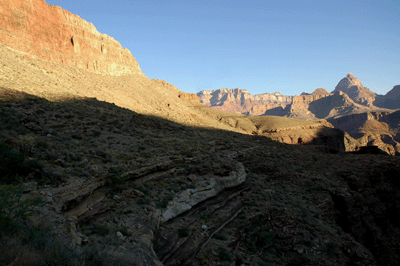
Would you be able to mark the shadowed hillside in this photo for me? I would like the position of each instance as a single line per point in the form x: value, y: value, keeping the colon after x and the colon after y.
x: 106, y: 176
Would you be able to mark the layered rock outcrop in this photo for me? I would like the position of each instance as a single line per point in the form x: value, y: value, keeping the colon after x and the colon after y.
x: 241, y: 101
x: 371, y: 129
x: 300, y: 106
x: 349, y: 97
x: 51, y: 33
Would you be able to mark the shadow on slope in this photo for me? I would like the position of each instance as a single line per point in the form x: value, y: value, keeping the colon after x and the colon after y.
x: 335, y: 105
x: 306, y: 188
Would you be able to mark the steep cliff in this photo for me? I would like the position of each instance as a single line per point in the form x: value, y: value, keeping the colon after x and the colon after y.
x: 300, y: 106
x: 51, y: 33
x: 241, y: 101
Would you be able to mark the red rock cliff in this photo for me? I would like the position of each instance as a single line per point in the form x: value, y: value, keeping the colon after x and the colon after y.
x: 51, y: 33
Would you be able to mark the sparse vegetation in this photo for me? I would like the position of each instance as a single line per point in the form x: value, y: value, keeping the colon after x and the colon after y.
x: 281, y: 215
x: 184, y: 231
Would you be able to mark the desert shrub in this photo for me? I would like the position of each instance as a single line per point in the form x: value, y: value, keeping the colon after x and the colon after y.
x: 116, y: 175
x: 11, y: 165
x: 221, y: 236
x: 13, y: 210
x: 142, y: 201
x: 164, y: 201
x: 204, y: 217
x: 187, y: 154
x: 41, y: 145
x: 239, y: 259
x: 14, y: 165
x: 184, y: 231
x: 126, y: 231
x: 95, y: 229
x: 331, y: 248
x: 224, y: 254
x: 264, y: 239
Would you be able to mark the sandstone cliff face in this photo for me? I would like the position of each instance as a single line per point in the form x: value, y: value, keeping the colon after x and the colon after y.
x: 51, y: 33
x: 357, y: 92
x: 300, y: 106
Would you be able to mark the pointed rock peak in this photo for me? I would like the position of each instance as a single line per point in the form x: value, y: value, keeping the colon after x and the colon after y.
x: 347, y: 82
x: 320, y: 91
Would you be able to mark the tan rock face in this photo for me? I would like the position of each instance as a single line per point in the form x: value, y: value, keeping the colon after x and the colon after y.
x: 189, y: 96
x: 51, y: 33
x: 357, y: 92
x: 241, y: 101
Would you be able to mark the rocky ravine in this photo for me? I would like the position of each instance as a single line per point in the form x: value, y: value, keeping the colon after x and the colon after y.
x: 120, y: 188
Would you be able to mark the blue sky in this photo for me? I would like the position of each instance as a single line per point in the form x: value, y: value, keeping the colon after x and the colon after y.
x: 262, y: 46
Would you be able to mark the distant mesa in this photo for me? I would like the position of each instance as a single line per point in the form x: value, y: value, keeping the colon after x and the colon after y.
x: 241, y: 101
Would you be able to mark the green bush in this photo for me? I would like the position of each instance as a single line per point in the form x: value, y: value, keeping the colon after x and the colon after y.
x: 184, y: 231
x: 11, y: 165
x: 221, y: 236
x: 13, y: 210
x: 142, y: 201
x: 224, y: 254
x: 264, y: 239
x: 42, y: 145
x: 164, y: 202
x: 116, y: 175
x: 14, y: 165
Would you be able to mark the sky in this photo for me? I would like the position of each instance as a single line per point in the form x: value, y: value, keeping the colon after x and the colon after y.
x: 262, y: 46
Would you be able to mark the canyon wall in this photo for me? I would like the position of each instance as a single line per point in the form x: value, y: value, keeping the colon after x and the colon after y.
x: 241, y: 101
x: 379, y: 129
x: 51, y: 33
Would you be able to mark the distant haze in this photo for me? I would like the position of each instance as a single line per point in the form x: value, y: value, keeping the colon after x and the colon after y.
x: 261, y: 46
